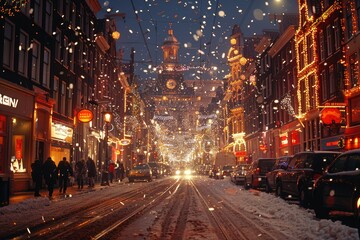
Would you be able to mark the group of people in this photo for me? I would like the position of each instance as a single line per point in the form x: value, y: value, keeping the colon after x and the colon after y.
x: 62, y: 172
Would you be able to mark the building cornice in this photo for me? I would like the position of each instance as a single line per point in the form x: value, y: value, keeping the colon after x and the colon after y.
x: 282, y: 40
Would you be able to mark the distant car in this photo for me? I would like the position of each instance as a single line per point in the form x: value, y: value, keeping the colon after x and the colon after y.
x: 216, y: 173
x: 303, y: 170
x: 255, y: 176
x: 339, y: 187
x: 140, y: 172
x: 227, y: 170
x: 238, y: 175
x: 280, y: 165
x: 156, y: 169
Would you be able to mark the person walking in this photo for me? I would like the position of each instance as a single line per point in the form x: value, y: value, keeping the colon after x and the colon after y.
x: 65, y: 171
x: 50, y: 175
x: 36, y: 175
x: 111, y: 170
x: 90, y: 164
x: 80, y: 169
x: 121, y: 171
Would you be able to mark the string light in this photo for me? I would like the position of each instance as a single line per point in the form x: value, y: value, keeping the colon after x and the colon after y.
x: 11, y: 7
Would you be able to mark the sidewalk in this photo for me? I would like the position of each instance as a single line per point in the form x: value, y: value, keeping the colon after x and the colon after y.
x: 71, y: 190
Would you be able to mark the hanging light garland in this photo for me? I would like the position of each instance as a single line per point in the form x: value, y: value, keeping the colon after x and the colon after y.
x: 9, y: 8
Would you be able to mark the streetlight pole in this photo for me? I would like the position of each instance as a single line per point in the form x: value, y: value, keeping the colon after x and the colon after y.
x: 105, y: 173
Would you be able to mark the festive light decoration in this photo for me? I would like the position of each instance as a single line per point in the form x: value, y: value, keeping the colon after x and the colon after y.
x: 115, y: 35
x: 9, y: 8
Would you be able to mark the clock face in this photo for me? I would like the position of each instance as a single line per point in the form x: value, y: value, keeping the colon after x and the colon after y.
x: 171, y: 84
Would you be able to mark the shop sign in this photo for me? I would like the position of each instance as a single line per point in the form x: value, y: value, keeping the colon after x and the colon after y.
x: 330, y: 116
x: 16, y: 102
x: 330, y: 143
x: 240, y: 154
x: 61, y: 132
x: 85, y: 115
x: 284, y: 142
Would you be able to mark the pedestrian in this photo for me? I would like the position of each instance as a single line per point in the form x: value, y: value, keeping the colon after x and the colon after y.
x: 36, y: 175
x: 50, y: 175
x: 121, y: 171
x: 91, y: 168
x: 111, y: 170
x: 65, y: 171
x: 80, y: 169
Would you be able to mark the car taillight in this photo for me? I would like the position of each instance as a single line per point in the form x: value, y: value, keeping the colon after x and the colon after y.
x: 257, y: 171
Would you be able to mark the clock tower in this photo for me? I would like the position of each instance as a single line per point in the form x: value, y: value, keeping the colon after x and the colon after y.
x: 171, y: 78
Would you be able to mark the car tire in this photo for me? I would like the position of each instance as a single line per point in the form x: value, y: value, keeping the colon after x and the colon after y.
x: 303, y: 197
x: 321, y: 212
x: 279, y: 192
x: 267, y: 187
x: 246, y: 186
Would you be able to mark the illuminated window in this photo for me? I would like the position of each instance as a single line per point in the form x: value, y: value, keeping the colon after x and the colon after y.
x: 354, y: 70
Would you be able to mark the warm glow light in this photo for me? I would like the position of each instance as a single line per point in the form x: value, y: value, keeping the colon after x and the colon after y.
x: 115, y: 35
x: 233, y: 41
x: 107, y: 117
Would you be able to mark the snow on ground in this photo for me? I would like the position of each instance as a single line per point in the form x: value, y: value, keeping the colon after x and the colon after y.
x: 291, y: 219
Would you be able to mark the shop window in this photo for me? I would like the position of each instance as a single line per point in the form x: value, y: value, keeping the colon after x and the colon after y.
x: 20, y: 145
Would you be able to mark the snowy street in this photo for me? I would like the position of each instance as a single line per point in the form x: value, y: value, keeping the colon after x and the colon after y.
x: 168, y: 208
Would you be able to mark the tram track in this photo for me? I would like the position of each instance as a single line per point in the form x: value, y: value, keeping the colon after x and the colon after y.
x: 90, y: 218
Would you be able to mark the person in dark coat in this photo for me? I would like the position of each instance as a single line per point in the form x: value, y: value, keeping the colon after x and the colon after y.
x: 90, y: 164
x: 80, y: 170
x: 121, y: 171
x: 50, y: 174
x: 65, y: 171
x: 36, y: 175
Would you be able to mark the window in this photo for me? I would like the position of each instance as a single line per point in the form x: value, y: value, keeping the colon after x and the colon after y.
x: 358, y: 12
x: 81, y: 24
x: 48, y: 16
x: 337, y: 37
x: 46, y: 68
x: 69, y: 102
x: 60, y: 7
x: 338, y: 165
x: 332, y: 81
x: 58, y: 44
x: 310, y: 48
x: 354, y: 70
x: 312, y: 91
x: 37, y: 12
x: 35, y: 62
x: 26, y: 9
x: 303, y: 96
x: 23, y: 53
x: 322, y: 46
x: 8, y: 53
x: 324, y: 86
x: 63, y: 98
x: 56, y: 93
x: 65, y: 52
x: 301, y: 55
x: 329, y: 40
x: 73, y: 16
x: 349, y: 26
x: 67, y: 10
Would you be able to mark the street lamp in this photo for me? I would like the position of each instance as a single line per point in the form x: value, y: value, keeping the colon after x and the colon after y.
x: 105, y: 173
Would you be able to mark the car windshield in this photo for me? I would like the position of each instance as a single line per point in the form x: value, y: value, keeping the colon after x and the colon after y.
x: 141, y: 166
x: 320, y: 161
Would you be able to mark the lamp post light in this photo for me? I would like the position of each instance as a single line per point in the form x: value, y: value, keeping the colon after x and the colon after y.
x: 105, y: 173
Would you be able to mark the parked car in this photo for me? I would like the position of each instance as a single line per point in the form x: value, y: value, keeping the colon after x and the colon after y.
x: 339, y: 187
x: 238, y: 175
x: 140, y: 172
x: 216, y: 173
x: 227, y: 170
x: 298, y: 179
x: 281, y: 164
x: 156, y: 169
x: 255, y: 176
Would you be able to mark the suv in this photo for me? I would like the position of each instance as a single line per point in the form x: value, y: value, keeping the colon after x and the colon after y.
x: 280, y: 165
x: 338, y: 189
x: 255, y: 176
x: 298, y: 179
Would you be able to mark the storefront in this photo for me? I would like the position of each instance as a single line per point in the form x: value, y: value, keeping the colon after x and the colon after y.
x: 61, y: 142
x: 16, y: 135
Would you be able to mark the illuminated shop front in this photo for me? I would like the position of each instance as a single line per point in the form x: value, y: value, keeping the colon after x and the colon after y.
x: 61, y: 142
x: 16, y: 134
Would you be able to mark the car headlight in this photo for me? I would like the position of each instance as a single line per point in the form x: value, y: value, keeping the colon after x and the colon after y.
x: 177, y: 172
x: 187, y: 172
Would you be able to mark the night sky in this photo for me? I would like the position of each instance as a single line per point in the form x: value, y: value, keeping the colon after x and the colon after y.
x: 202, y: 28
